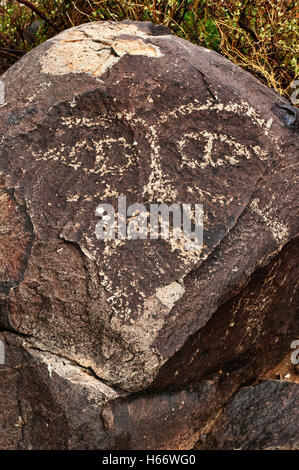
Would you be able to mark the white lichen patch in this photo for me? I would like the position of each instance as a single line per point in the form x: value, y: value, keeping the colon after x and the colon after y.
x: 94, y: 48
x: 169, y: 295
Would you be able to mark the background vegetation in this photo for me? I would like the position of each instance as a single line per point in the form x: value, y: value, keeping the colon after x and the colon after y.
x: 259, y: 35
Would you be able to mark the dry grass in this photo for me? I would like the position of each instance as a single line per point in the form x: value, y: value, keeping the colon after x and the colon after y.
x: 259, y: 35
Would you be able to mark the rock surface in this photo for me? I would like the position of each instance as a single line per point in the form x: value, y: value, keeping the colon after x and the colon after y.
x: 263, y: 416
x: 143, y: 333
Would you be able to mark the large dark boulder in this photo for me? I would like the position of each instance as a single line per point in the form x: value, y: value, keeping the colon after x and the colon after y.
x: 110, y: 109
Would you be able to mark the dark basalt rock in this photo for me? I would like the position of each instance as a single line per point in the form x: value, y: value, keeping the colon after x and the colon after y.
x: 110, y: 109
x: 264, y: 416
x: 47, y: 402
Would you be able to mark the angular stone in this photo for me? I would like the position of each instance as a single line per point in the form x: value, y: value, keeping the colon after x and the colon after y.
x: 48, y: 402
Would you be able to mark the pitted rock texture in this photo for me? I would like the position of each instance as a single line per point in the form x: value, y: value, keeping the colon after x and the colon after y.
x: 125, y: 109
x: 264, y: 416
